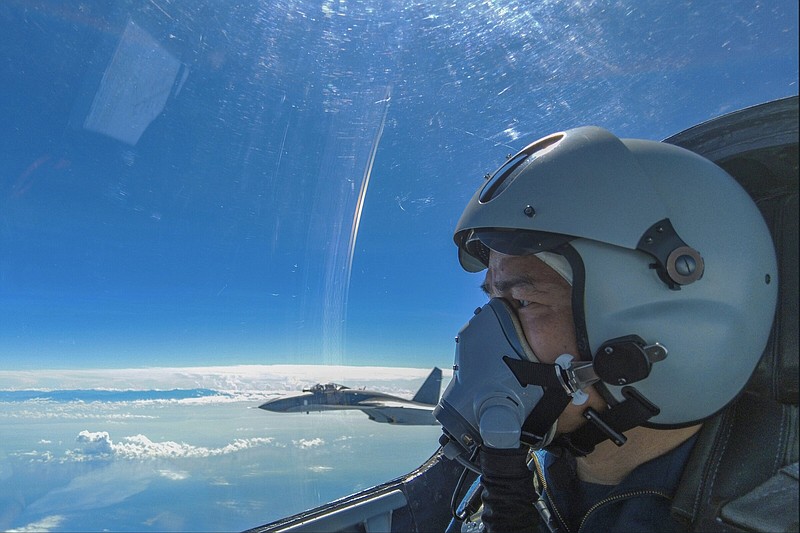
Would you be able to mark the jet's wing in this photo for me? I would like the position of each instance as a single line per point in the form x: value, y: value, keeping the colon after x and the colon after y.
x: 392, y: 404
x: 398, y: 412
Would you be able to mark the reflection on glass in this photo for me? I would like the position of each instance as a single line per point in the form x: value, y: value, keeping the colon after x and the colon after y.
x: 191, y: 194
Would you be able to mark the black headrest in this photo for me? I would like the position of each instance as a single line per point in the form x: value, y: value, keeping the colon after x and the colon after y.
x: 776, y: 375
x: 759, y: 147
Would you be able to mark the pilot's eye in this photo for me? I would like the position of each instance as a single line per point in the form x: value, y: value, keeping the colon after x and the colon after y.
x: 523, y: 303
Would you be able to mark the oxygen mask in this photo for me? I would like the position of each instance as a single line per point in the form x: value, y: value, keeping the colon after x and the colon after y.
x: 501, y: 396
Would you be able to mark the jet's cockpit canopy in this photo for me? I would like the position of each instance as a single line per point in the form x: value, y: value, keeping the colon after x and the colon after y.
x: 326, y: 387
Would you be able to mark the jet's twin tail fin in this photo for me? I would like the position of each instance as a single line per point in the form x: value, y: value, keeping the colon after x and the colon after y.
x: 429, y: 392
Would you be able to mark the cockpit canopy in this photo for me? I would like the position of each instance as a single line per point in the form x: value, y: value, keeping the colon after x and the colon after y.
x: 325, y: 387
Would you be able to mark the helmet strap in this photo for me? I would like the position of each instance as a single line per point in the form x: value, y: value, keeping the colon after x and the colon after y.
x: 536, y: 429
x: 634, y: 411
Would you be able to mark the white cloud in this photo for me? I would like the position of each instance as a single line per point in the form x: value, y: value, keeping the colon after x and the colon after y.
x: 308, y: 443
x: 34, y: 456
x: 241, y: 444
x: 45, y: 524
x: 38, y: 410
x: 320, y: 469
x: 240, y: 379
x: 99, y: 445
x: 141, y: 447
x: 173, y: 475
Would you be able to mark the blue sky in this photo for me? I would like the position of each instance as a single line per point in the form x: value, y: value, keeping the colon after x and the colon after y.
x: 224, y: 233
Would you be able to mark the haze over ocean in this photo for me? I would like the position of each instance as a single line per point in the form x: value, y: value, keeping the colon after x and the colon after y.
x: 187, y: 449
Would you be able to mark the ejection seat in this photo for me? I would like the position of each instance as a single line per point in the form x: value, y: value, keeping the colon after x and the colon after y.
x: 743, y: 472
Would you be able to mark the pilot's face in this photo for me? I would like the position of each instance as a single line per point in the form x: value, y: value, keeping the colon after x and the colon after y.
x: 542, y: 300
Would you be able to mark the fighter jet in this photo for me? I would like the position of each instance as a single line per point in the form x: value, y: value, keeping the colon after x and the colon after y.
x: 378, y: 406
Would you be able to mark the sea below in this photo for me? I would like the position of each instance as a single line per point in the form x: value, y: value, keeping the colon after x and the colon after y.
x: 197, y: 459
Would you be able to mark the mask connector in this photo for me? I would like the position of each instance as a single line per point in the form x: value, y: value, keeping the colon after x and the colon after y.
x: 500, y: 422
x: 575, y: 377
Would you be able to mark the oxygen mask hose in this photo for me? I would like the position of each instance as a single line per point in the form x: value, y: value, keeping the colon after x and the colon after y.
x: 508, y: 491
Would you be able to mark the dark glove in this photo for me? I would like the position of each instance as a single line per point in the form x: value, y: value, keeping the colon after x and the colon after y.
x: 508, y: 492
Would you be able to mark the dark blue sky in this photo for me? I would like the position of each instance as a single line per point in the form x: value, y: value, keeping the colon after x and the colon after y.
x: 224, y: 233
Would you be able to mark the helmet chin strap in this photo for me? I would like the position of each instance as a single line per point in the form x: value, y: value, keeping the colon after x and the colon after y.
x: 539, y: 427
x: 563, y: 383
x: 634, y: 411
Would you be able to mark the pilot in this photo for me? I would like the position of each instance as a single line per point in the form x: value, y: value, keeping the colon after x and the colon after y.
x: 645, y: 278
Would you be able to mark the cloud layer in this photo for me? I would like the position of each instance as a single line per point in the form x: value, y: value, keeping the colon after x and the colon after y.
x: 239, y: 379
x: 99, y: 445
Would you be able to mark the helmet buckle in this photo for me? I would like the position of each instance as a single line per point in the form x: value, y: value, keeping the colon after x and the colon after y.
x: 575, y: 376
x: 626, y: 360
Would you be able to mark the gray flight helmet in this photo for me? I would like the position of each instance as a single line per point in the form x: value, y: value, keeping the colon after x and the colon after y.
x: 663, y: 244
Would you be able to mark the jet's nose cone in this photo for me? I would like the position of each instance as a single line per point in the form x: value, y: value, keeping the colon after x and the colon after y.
x: 276, y: 405
x: 287, y: 404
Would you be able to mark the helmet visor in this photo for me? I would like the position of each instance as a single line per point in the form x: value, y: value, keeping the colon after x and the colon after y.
x: 474, y: 245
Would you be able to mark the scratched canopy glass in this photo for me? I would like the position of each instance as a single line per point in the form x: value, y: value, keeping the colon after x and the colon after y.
x: 205, y: 203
